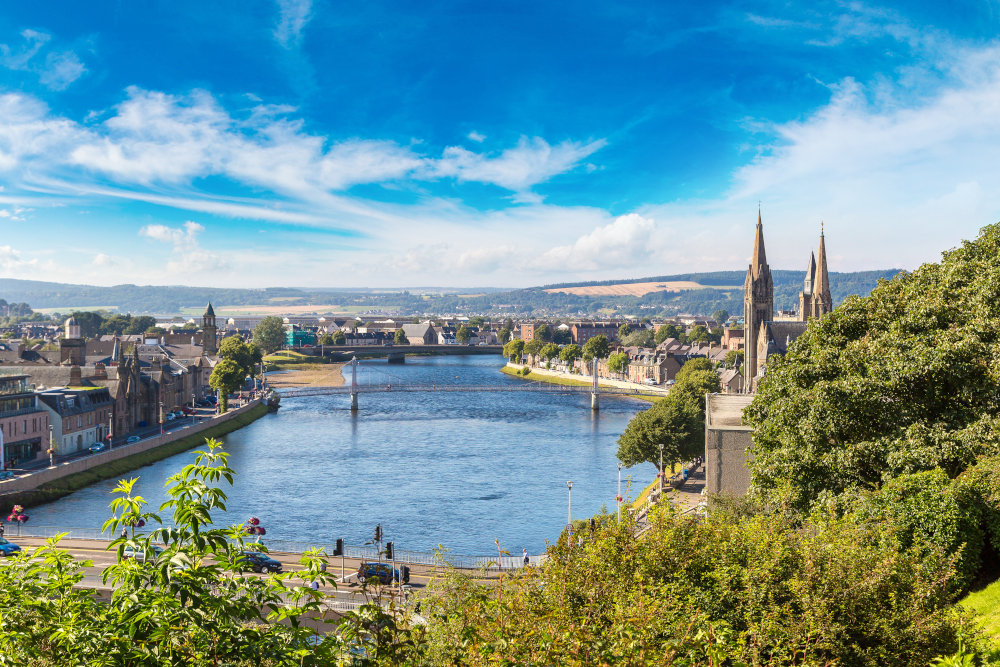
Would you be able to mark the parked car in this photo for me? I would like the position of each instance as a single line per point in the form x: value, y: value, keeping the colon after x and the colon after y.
x: 188, y: 411
x: 140, y: 555
x: 259, y: 562
x: 8, y: 548
x: 97, y: 447
x: 6, y: 474
x: 382, y: 573
x: 132, y: 439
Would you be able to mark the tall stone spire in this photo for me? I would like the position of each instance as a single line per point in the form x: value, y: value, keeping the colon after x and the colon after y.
x: 758, y: 304
x: 805, y: 296
x: 822, y: 302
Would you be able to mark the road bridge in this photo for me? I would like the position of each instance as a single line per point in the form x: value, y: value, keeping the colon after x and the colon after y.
x: 394, y: 353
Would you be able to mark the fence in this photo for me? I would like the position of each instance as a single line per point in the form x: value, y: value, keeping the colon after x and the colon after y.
x: 364, y: 552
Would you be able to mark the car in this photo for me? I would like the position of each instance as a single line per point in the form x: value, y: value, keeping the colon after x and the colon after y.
x: 382, y: 573
x: 132, y: 439
x: 649, y: 381
x: 97, y: 447
x: 140, y: 555
x: 8, y: 548
x: 6, y: 474
x: 170, y: 416
x: 188, y: 411
x: 259, y: 562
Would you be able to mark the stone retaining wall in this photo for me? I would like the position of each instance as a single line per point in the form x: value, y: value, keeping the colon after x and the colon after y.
x: 60, y: 470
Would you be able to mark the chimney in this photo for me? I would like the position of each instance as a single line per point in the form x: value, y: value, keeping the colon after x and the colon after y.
x: 100, y: 372
x: 75, y: 377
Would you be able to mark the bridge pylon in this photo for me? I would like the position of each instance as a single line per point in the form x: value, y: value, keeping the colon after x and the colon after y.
x: 354, y: 384
x: 595, y: 404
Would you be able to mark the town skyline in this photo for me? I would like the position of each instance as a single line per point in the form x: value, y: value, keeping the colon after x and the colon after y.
x: 292, y: 144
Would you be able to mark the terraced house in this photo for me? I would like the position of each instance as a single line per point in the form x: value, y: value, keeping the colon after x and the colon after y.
x: 24, y: 426
x: 80, y: 416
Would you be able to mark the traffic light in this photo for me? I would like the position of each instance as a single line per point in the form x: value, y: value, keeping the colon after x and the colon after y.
x: 339, y: 549
x: 378, y: 533
x: 388, y: 550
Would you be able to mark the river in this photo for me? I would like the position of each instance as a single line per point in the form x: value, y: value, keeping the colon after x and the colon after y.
x: 455, y: 469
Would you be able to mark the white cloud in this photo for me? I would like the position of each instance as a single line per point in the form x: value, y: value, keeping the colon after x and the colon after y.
x: 11, y: 262
x: 621, y: 244
x: 101, y: 259
x: 292, y: 18
x: 477, y: 137
x: 57, y: 70
x: 187, y: 256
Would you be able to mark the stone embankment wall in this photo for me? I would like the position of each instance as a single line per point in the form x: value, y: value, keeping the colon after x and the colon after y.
x: 61, y: 470
x: 588, y: 379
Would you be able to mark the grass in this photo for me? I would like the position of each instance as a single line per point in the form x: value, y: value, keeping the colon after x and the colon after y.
x: 289, y: 360
x: 986, y: 604
x: 67, y: 485
x: 551, y: 379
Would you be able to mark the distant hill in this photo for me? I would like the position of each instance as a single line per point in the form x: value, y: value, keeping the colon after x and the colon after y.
x: 697, y: 293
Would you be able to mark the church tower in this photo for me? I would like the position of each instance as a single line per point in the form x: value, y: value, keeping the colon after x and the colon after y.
x: 821, y: 302
x: 805, y: 296
x: 208, y: 337
x: 758, y: 305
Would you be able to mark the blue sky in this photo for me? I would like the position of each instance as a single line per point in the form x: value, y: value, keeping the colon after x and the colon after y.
x: 378, y: 144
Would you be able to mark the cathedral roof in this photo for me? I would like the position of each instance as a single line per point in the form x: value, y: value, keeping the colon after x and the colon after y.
x: 759, y: 260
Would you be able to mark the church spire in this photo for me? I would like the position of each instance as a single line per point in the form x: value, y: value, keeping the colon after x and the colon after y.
x: 759, y: 259
x: 822, y: 301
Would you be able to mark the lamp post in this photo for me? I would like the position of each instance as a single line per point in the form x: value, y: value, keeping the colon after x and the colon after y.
x: 111, y: 428
x: 569, y: 506
x: 619, y: 497
x: 160, y: 417
x: 52, y: 449
x: 661, y: 467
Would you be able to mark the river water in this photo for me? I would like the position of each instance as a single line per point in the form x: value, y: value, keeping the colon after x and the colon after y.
x: 446, y: 468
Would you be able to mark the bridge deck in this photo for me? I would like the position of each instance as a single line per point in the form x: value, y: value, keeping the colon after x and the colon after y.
x: 411, y: 388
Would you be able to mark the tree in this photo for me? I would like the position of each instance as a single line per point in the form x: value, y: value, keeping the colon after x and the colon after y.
x: 514, y: 350
x: 463, y: 335
x: 503, y: 336
x: 571, y: 353
x: 734, y: 358
x: 721, y: 315
x: 624, y: 330
x: 698, y: 334
x: 399, y: 338
x: 227, y: 377
x: 339, y: 337
x: 116, y: 324
x: 715, y: 334
x: 89, y: 321
x: 533, y: 347
x: 325, y: 339
x: 508, y: 324
x: 269, y: 334
x: 640, y: 338
x: 667, y: 331
x: 477, y: 321
x: 598, y: 347
x: 674, y: 421
x: 696, y: 384
x: 562, y: 336
x: 549, y: 351
x: 543, y: 333
x: 140, y: 324
x: 618, y: 362
x: 246, y: 355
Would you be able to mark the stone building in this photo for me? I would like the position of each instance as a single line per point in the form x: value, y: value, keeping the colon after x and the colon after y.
x: 24, y: 426
x: 80, y: 416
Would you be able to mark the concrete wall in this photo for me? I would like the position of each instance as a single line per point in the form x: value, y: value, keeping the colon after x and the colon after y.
x: 33, y: 481
x: 726, y: 442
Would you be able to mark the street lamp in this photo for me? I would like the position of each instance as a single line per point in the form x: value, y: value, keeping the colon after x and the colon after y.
x: 619, y: 497
x: 52, y: 449
x: 160, y: 417
x: 569, y: 509
x: 661, y: 467
x: 111, y: 428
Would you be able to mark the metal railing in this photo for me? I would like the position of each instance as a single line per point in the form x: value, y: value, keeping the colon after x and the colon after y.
x: 363, y: 552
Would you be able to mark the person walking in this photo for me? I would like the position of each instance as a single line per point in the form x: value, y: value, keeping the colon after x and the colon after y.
x: 525, y: 551
x: 2, y: 528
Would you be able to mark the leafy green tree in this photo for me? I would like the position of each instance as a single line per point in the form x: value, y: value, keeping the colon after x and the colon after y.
x: 693, y: 365
x: 116, y: 324
x: 734, y: 358
x: 477, y: 321
x: 508, y: 324
x: 140, y: 324
x: 624, y: 330
x: 571, y: 353
x: 514, y: 350
x: 549, y: 351
x: 618, y: 362
x: 533, y: 347
x: 640, y: 338
x: 339, y: 337
x: 721, y: 315
x: 463, y: 335
x: 562, y: 336
x: 667, y: 331
x: 699, y: 334
x: 503, y: 336
x: 90, y: 322
x: 227, y: 377
x: 696, y: 384
x: 246, y: 355
x: 675, y: 421
x: 543, y: 333
x: 269, y: 334
x: 597, y: 347
x: 325, y: 339
x: 399, y: 338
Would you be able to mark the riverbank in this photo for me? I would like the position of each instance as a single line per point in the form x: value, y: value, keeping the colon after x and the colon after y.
x: 66, y: 478
x: 308, y: 375
x: 558, y: 377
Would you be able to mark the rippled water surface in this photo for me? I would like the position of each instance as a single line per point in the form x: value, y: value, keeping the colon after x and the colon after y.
x: 457, y: 469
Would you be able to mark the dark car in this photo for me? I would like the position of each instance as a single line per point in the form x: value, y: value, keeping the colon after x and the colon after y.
x: 8, y: 548
x: 139, y: 554
x: 382, y: 573
x: 259, y: 562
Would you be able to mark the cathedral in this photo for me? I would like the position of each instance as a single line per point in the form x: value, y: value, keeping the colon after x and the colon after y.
x: 764, y: 333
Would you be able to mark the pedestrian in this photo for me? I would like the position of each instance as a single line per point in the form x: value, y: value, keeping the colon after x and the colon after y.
x: 124, y: 533
x: 2, y: 528
x: 525, y: 551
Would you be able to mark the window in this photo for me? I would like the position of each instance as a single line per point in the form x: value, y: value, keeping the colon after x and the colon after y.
x: 79, y: 422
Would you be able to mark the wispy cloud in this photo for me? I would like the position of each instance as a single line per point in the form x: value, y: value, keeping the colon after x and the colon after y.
x: 187, y: 255
x: 293, y: 15
x: 56, y: 70
x: 624, y: 242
